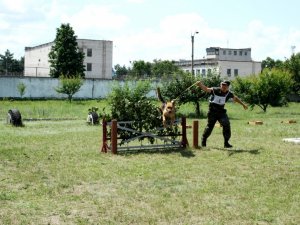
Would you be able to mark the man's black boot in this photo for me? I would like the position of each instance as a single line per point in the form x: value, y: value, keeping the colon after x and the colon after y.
x: 203, y: 143
x: 227, y: 145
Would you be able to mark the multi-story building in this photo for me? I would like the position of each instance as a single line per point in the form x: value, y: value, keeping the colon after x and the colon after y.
x: 97, y: 60
x: 227, y: 62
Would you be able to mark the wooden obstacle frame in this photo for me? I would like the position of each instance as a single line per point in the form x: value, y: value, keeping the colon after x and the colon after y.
x: 112, y: 144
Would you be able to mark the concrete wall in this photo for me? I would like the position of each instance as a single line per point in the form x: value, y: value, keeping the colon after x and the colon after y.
x: 44, y: 87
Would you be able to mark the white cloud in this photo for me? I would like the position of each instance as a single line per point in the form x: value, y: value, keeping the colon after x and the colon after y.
x: 182, y: 23
x: 95, y: 18
x: 3, y: 23
x: 16, y: 6
x: 171, y: 40
x: 283, y: 47
x: 136, y: 1
x: 269, y: 41
x: 30, y: 22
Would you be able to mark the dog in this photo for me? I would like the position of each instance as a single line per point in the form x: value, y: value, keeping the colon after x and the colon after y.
x: 92, y: 118
x: 167, y: 110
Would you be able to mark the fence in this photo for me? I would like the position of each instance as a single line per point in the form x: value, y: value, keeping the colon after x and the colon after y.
x: 44, y: 87
x: 168, y: 141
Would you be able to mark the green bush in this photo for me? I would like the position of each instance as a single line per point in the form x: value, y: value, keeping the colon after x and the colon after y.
x: 69, y: 85
x: 129, y: 103
x: 270, y: 87
x: 21, y: 88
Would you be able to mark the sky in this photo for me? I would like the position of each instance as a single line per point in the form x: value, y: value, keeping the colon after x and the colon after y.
x: 156, y: 29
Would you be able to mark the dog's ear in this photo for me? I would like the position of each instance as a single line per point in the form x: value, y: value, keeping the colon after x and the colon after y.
x: 173, y: 101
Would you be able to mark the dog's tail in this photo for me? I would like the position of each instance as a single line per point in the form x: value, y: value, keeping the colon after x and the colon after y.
x: 160, y: 98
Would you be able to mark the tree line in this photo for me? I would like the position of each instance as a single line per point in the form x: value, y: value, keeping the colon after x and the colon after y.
x: 158, y: 69
x: 11, y: 66
x: 273, y: 86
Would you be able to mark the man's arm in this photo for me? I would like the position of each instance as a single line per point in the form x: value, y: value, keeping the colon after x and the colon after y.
x: 203, y: 87
x: 236, y: 99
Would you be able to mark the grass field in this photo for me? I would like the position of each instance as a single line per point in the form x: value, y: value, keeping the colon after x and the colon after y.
x: 51, y: 171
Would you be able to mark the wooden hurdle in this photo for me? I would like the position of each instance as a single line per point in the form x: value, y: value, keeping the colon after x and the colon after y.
x: 118, y: 125
x: 195, y: 134
x: 104, y: 147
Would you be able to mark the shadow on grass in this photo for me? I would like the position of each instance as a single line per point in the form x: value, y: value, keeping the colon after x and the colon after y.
x: 232, y: 151
x: 184, y: 152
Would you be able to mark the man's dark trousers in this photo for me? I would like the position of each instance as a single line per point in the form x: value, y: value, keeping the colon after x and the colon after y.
x: 213, y: 116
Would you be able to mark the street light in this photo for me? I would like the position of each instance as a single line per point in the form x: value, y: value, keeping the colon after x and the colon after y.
x: 192, y: 36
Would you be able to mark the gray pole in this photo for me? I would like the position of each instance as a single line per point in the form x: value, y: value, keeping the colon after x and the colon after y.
x: 192, y: 36
x: 192, y: 54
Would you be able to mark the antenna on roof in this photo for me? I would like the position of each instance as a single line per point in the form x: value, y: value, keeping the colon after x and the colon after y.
x: 293, y: 49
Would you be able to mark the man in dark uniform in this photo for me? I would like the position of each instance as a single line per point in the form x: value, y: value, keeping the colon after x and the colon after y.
x: 217, y: 112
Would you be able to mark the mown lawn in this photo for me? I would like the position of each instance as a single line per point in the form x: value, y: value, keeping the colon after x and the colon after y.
x: 52, y: 172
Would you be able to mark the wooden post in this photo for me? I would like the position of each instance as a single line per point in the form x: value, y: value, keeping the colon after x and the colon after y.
x: 104, y: 136
x: 195, y: 134
x: 114, y: 136
x: 184, y: 140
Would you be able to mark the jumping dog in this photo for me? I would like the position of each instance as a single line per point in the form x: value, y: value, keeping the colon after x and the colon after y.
x: 167, y: 109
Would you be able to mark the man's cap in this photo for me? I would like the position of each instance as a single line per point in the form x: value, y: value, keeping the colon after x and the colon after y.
x: 227, y: 82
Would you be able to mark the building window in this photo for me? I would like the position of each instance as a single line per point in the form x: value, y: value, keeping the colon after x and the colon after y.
x: 228, y: 72
x: 236, y: 72
x: 89, y: 52
x: 229, y: 52
x: 224, y: 52
x: 235, y: 52
x: 241, y: 53
x: 89, y: 67
x: 198, y: 72
x: 246, y: 53
x: 203, y: 72
x: 212, y: 51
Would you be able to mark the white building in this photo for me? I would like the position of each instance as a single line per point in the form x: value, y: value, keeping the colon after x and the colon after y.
x: 97, y: 60
x: 226, y: 61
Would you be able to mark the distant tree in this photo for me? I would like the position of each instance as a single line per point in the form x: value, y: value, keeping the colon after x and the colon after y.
x: 163, y: 68
x: 121, y: 70
x: 9, y: 65
x: 21, y: 88
x: 17, y: 66
x: 6, y: 62
x: 270, y: 63
x: 65, y: 57
x: 293, y: 65
x: 279, y: 64
x: 140, y: 69
x: 270, y: 87
x: 69, y: 85
x: 157, y: 69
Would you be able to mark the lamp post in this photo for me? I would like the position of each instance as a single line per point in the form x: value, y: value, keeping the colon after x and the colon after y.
x: 192, y: 37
